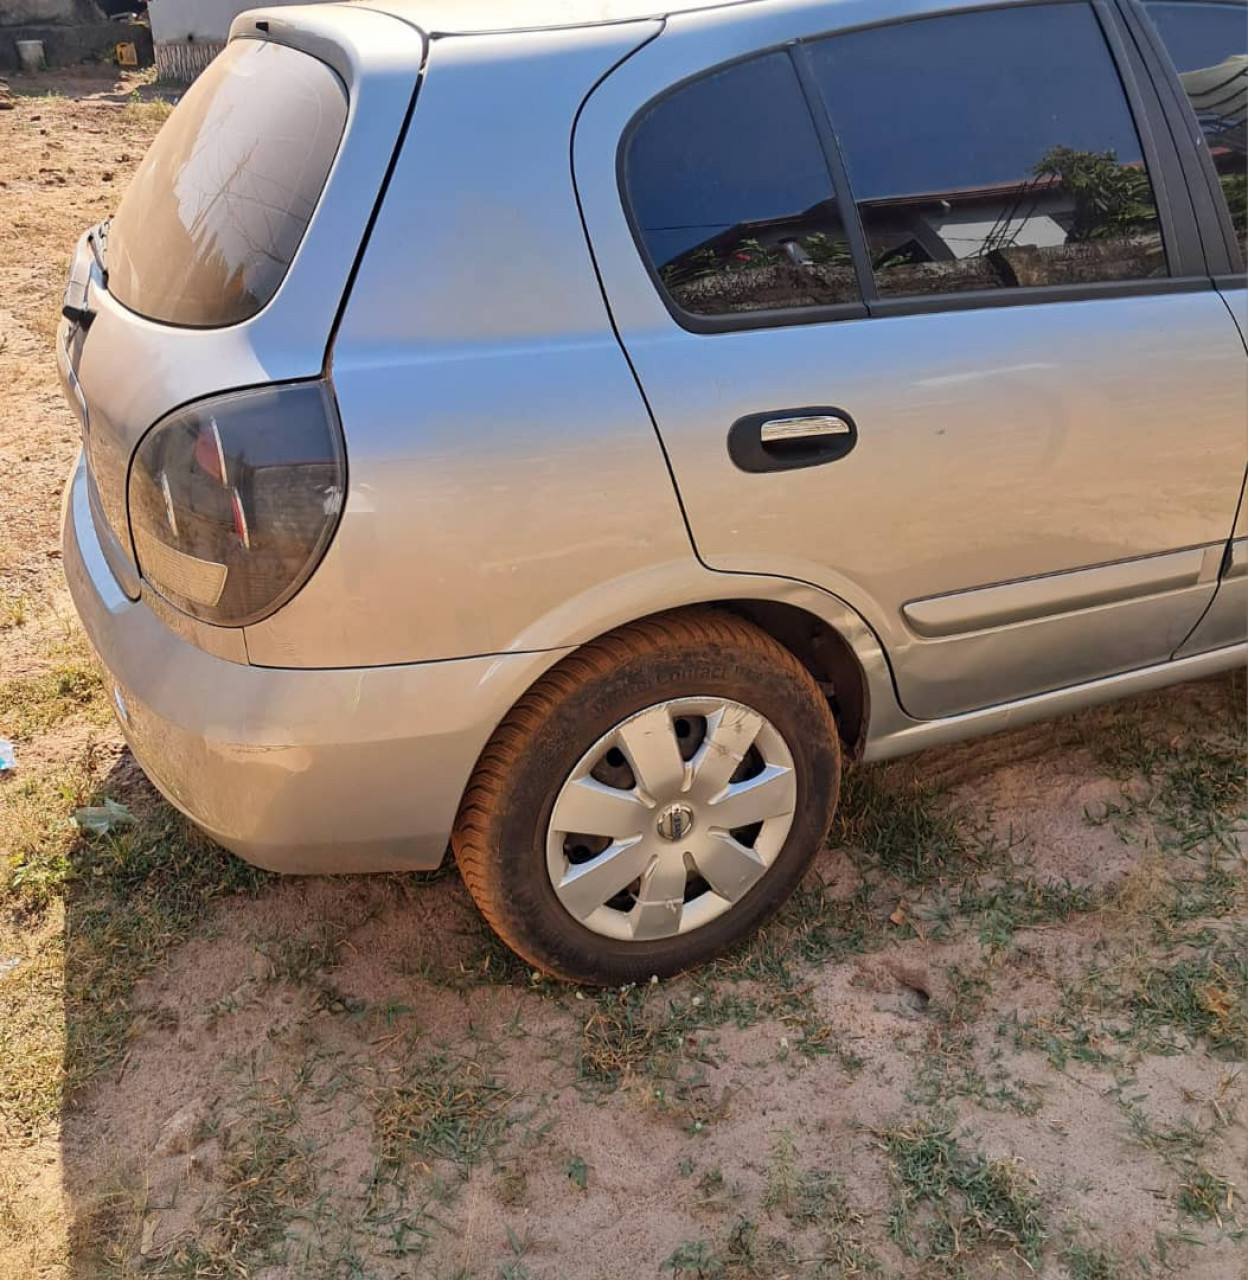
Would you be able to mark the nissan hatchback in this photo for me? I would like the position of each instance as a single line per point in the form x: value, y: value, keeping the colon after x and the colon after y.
x: 570, y: 430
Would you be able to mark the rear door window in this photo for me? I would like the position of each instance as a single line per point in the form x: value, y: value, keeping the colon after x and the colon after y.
x: 731, y: 198
x: 208, y: 227
x: 1208, y: 44
x: 991, y: 150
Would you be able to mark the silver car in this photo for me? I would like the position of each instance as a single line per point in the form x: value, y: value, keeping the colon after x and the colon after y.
x: 571, y: 430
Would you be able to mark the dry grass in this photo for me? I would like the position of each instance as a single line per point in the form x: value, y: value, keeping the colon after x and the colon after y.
x: 32, y: 1023
x: 147, y: 113
x: 33, y: 1241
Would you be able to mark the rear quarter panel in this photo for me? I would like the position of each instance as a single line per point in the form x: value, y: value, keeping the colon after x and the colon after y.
x: 134, y: 371
x: 502, y: 462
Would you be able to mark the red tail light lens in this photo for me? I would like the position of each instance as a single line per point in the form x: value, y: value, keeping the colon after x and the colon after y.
x: 233, y: 501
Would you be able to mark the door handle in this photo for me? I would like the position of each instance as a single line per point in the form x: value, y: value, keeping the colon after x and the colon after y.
x: 785, y: 439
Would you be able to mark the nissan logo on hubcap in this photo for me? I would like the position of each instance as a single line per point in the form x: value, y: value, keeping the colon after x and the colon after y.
x: 675, y: 822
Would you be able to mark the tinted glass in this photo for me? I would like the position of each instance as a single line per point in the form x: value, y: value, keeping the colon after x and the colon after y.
x: 1209, y: 46
x: 991, y: 150
x: 732, y: 198
x: 216, y: 211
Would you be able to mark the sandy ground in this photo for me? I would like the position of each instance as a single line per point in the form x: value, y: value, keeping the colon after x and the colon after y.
x: 349, y: 1078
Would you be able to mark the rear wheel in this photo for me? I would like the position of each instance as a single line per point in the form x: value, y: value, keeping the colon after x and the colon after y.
x: 651, y: 800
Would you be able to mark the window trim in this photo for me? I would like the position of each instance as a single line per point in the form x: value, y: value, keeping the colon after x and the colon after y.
x: 1184, y: 254
x: 1186, y: 273
x: 1213, y: 217
x: 838, y: 170
x: 973, y: 300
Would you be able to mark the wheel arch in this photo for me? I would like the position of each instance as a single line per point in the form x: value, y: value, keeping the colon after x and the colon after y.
x: 825, y: 653
x: 826, y: 635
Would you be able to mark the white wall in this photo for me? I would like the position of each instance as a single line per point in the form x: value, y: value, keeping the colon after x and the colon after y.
x: 201, y: 19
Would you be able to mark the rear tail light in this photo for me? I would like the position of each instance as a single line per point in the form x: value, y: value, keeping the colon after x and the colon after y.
x: 234, y: 500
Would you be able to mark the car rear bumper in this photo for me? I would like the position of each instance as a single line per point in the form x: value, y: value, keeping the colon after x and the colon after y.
x: 304, y: 771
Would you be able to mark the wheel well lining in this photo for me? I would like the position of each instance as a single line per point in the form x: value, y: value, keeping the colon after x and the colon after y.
x: 825, y: 653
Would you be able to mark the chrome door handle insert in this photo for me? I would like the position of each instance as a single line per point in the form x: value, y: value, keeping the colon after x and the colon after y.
x: 779, y: 430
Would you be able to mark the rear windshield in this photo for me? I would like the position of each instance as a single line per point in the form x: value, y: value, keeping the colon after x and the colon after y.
x: 216, y: 211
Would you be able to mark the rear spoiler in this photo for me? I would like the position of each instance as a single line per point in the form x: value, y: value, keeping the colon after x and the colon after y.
x: 310, y: 29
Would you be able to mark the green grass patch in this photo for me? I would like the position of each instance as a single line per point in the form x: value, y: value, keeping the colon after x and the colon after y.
x: 1090, y: 1262
x: 265, y: 1179
x: 816, y: 928
x: 302, y: 959
x: 1174, y: 1143
x: 952, y: 1206
x: 1018, y: 899
x: 31, y: 705
x: 37, y: 840
x: 948, y: 1072
x: 1218, y: 889
x: 1204, y: 996
x: 619, y: 1037
x: 905, y: 829
x: 647, y: 1031
x: 1149, y: 1004
x: 265, y: 1176
x: 1190, y: 788
x: 1207, y: 1196
x: 815, y: 1199
x: 442, y: 1108
x: 742, y: 1254
x: 694, y: 1258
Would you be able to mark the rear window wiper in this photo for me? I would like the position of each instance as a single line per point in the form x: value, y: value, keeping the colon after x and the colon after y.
x: 97, y: 239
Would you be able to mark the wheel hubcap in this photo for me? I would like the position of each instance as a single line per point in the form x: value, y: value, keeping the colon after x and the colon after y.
x: 671, y: 818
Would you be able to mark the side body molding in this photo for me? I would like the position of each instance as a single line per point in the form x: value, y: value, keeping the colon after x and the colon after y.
x: 1032, y: 598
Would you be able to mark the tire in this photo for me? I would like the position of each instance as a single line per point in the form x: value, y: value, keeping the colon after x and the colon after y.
x: 698, y: 671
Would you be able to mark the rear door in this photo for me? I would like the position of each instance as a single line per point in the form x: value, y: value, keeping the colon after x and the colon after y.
x: 1204, y: 51
x: 923, y: 318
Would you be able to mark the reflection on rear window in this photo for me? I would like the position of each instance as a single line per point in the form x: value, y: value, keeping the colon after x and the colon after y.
x: 208, y: 227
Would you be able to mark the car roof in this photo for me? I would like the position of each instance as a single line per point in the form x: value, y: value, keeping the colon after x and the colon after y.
x: 466, y: 17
